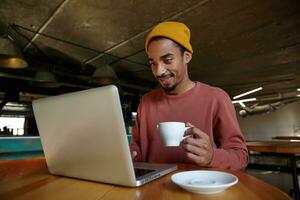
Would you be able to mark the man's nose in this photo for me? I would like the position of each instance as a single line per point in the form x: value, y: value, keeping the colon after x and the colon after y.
x: 160, y: 69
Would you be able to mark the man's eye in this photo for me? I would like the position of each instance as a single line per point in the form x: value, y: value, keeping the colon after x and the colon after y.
x: 168, y: 61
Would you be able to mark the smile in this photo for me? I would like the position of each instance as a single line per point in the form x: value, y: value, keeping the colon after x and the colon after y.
x: 165, y: 76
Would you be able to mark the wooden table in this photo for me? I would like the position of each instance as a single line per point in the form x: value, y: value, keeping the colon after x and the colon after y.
x: 275, y: 146
x: 290, y: 148
x: 30, y: 179
x: 291, y: 138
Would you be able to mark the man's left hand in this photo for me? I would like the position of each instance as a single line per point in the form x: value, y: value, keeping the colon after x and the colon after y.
x: 198, y: 147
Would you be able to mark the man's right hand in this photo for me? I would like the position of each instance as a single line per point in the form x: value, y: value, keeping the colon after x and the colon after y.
x: 133, y: 154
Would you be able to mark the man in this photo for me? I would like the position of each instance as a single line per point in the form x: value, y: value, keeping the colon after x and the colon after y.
x: 217, y: 140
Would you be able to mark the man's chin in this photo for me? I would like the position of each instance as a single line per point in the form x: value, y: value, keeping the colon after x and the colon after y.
x: 170, y: 88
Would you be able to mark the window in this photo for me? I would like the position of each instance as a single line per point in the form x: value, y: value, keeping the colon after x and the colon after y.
x: 12, y: 126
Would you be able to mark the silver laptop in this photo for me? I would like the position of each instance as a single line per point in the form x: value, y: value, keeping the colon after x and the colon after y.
x: 83, y: 136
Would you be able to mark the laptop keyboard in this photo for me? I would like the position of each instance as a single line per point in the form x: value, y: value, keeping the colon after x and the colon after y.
x: 141, y: 172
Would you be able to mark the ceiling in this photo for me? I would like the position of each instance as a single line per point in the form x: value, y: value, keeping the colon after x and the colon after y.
x: 238, y: 45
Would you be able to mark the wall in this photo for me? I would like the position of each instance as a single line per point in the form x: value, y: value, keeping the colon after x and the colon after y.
x: 265, y: 126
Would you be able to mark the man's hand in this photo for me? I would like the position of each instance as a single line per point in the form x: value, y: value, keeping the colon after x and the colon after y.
x: 198, y: 147
x: 133, y: 154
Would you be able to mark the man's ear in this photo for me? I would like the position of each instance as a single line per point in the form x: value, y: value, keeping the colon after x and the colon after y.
x: 187, y: 57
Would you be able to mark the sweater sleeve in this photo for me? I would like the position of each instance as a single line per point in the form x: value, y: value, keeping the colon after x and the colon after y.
x: 139, y: 140
x: 230, y: 150
x: 135, y: 140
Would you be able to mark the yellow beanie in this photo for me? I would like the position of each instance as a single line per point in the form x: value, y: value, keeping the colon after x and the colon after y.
x: 175, y: 31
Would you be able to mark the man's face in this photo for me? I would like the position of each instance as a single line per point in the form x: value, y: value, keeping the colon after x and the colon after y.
x: 168, y: 64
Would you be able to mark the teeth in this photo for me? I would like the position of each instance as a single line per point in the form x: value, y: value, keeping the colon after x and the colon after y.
x: 167, y: 76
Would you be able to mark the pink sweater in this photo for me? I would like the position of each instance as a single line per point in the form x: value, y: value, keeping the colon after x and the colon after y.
x: 208, y: 108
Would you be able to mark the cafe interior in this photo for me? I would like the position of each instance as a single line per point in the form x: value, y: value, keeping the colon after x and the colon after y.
x: 250, y: 49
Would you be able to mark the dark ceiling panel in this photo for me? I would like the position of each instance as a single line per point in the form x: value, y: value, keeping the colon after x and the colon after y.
x: 280, y: 56
x: 30, y: 13
x: 130, y: 47
x: 57, y: 50
x: 103, y: 24
x: 223, y: 33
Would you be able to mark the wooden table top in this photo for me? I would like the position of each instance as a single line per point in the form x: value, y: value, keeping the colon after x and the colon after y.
x: 30, y: 179
x: 286, y: 138
x: 275, y: 146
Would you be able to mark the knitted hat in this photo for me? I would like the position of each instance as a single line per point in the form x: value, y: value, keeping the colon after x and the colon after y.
x: 175, y: 31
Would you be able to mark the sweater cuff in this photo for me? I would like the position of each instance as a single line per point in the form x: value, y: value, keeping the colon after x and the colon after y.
x: 138, y: 157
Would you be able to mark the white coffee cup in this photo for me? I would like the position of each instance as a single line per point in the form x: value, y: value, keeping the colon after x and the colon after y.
x: 172, y: 133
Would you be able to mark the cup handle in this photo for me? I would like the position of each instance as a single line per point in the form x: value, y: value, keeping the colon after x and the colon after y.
x: 186, y: 137
x: 186, y: 128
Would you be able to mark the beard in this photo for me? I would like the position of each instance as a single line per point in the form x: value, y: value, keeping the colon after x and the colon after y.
x: 167, y: 87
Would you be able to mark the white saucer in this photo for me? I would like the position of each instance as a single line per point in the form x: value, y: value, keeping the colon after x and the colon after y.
x: 204, y: 182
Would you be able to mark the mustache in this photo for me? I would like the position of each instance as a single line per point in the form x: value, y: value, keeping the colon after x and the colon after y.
x: 165, y: 75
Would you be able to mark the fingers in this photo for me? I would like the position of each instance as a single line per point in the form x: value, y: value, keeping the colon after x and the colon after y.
x: 133, y: 154
x: 188, y: 124
x: 197, y: 133
x: 200, y: 143
x: 198, y: 148
x: 200, y: 154
x: 187, y: 133
x: 195, y: 149
x: 200, y: 160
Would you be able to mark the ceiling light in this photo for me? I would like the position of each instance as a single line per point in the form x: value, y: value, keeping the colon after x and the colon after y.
x: 10, y: 55
x: 298, y: 89
x: 105, y: 75
x: 244, y: 100
x: 45, y: 79
x: 298, y: 95
x: 246, y: 93
x: 242, y: 104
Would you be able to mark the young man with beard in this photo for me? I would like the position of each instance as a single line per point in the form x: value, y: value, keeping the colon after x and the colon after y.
x: 217, y: 139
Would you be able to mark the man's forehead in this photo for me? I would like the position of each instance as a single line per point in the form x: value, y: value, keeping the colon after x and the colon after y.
x: 161, y: 48
x: 162, y: 56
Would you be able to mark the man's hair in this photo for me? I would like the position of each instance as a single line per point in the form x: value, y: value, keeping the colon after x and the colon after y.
x: 179, y: 46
